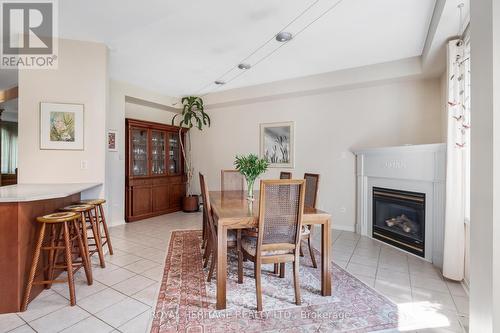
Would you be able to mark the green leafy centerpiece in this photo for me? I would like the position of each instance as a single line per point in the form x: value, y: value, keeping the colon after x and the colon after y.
x: 251, y: 167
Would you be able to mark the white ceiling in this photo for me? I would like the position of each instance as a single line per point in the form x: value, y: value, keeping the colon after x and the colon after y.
x: 181, y: 47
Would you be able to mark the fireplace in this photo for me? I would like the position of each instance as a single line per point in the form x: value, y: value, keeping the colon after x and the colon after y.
x: 399, y: 219
x: 408, y: 180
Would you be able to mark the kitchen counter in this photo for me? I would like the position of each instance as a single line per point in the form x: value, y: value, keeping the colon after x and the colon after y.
x: 34, y: 192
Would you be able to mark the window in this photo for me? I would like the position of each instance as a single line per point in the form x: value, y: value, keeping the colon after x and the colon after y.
x: 8, y: 148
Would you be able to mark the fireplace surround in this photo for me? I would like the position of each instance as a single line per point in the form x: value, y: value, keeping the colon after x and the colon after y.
x: 401, y: 196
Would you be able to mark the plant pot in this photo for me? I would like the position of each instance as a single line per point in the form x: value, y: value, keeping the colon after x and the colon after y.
x: 191, y: 204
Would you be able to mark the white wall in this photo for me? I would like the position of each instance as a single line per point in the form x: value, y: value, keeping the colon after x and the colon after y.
x: 485, y: 168
x: 142, y: 112
x: 327, y: 126
x: 80, y: 78
x: 119, y: 109
x: 8, y: 78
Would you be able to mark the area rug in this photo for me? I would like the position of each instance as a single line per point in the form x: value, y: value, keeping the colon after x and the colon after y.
x: 186, y: 302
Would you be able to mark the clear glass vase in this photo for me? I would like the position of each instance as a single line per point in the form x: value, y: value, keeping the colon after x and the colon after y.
x: 250, y: 196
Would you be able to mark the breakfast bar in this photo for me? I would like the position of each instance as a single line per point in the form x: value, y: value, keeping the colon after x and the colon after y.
x: 19, y: 206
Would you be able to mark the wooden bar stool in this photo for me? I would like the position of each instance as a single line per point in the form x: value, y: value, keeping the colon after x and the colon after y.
x: 101, y: 221
x: 89, y: 223
x: 62, y: 230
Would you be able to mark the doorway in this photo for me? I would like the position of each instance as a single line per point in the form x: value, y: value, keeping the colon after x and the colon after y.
x: 8, y: 136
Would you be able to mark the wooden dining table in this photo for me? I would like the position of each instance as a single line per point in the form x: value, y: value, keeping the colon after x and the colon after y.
x: 232, y: 210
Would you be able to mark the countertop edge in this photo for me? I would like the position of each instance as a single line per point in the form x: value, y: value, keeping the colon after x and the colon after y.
x: 42, y: 193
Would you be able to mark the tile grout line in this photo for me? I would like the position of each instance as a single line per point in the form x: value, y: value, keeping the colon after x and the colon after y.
x: 355, y: 246
x: 111, y: 287
x: 94, y: 315
x: 107, y: 287
x: 378, y: 265
x: 91, y: 315
x: 409, y: 277
x: 31, y: 327
x: 36, y: 318
x: 140, y: 314
x: 458, y: 314
x: 138, y: 255
x: 24, y: 321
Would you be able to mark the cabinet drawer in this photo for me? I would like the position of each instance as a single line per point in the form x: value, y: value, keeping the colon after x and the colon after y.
x: 138, y: 182
x: 176, y: 180
x: 163, y: 180
x: 167, y: 180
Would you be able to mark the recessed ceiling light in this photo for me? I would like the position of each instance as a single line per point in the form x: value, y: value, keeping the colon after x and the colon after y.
x: 219, y: 82
x: 284, y: 36
x: 244, y: 66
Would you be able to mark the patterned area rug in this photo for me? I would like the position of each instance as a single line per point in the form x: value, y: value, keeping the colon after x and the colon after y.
x: 186, y: 302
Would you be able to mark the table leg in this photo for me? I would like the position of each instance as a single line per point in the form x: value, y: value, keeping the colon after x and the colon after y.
x: 221, y: 266
x: 326, y: 277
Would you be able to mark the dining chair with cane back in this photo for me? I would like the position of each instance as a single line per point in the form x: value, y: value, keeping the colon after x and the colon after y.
x: 210, y: 251
x: 312, y: 182
x: 231, y: 180
x: 285, y: 175
x: 279, y: 232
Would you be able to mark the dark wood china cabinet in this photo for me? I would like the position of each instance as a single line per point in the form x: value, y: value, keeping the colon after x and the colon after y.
x: 154, y: 179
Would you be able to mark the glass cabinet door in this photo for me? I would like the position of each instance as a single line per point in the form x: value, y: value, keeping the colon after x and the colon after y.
x: 158, y: 153
x: 174, y: 152
x: 139, y: 151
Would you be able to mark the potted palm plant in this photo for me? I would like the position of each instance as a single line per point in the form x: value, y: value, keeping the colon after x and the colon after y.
x: 251, y: 167
x: 192, y: 115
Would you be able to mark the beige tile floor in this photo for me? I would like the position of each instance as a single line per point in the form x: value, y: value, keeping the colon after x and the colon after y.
x: 124, y: 293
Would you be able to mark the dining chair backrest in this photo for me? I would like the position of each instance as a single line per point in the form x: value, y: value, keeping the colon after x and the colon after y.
x: 285, y: 175
x: 312, y: 182
x: 207, y: 207
x: 280, y: 212
x: 231, y: 180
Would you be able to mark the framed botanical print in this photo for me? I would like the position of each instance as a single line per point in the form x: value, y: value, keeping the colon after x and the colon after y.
x: 277, y: 144
x: 112, y: 146
x: 61, y: 126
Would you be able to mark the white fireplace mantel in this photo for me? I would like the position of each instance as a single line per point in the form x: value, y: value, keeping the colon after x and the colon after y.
x: 414, y: 168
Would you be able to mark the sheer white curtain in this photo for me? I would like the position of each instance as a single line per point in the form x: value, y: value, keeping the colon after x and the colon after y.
x: 8, y: 141
x: 457, y: 173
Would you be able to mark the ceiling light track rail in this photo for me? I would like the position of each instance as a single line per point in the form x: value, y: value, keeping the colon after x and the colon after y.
x: 282, y: 36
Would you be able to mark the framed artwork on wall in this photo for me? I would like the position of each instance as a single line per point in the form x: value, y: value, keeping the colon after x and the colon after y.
x: 277, y: 144
x: 112, y: 144
x: 61, y: 126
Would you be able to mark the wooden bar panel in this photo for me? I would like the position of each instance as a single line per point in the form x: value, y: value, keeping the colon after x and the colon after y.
x: 9, y: 255
x: 18, y: 229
